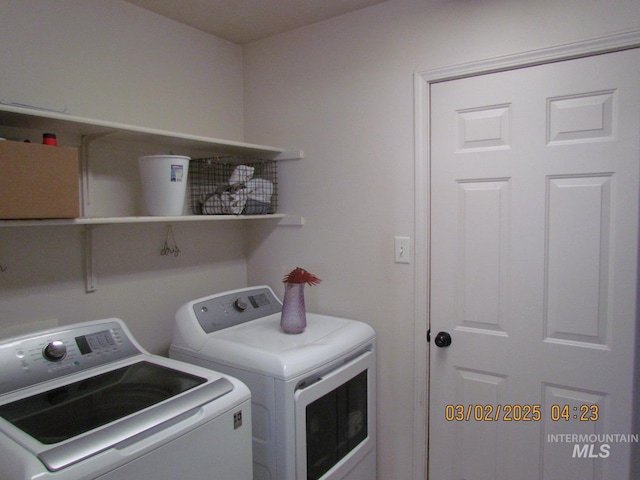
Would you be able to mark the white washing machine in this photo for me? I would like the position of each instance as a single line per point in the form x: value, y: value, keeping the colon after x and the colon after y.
x: 87, y: 402
x: 313, y: 394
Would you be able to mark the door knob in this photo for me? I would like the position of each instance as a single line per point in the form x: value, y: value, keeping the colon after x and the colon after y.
x: 443, y: 339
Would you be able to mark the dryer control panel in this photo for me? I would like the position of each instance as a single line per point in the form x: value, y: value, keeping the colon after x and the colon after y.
x: 233, y: 308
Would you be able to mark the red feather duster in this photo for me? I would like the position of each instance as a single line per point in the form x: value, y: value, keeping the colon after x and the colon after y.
x: 300, y: 275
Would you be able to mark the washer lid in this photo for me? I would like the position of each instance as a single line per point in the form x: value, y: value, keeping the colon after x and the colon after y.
x: 261, y: 346
x: 72, y: 392
x: 69, y: 423
x: 96, y: 401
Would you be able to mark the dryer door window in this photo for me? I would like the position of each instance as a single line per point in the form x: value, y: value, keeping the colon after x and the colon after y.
x: 336, y: 424
x: 333, y: 420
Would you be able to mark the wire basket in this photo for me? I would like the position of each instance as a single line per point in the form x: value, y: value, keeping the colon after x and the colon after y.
x: 233, y: 186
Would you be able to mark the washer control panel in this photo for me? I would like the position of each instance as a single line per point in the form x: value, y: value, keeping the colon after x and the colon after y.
x: 31, y: 359
x: 233, y: 308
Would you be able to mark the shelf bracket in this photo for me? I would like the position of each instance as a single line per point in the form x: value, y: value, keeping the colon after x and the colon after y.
x: 291, y: 221
x: 91, y: 279
x: 85, y: 170
x: 292, y: 154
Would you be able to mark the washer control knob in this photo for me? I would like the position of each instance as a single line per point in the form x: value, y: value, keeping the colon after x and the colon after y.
x: 55, y: 351
x: 240, y: 305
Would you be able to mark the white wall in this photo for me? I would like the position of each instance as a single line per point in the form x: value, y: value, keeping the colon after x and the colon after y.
x: 343, y: 91
x: 109, y: 60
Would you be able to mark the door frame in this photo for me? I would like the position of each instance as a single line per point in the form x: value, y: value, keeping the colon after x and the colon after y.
x: 422, y: 161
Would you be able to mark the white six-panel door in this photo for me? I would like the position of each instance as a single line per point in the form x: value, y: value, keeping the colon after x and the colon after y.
x: 534, y: 240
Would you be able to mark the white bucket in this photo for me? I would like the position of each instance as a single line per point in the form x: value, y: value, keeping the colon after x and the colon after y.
x: 164, y: 183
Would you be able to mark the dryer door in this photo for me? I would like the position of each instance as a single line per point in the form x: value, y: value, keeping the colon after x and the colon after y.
x: 335, y: 420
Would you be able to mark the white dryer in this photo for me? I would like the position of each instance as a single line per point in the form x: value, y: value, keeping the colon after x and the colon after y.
x: 87, y: 402
x: 313, y: 394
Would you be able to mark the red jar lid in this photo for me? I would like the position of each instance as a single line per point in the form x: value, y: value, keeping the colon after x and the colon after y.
x: 49, y: 139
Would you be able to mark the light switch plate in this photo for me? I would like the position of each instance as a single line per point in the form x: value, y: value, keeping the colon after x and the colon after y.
x: 402, y: 250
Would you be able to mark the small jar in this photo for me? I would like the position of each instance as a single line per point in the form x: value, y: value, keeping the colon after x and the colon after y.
x: 49, y: 139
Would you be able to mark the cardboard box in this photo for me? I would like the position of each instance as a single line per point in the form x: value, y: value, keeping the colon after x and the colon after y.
x: 38, y: 181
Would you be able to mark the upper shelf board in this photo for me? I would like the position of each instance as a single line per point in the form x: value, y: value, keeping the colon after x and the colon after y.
x: 284, y: 220
x: 34, y: 119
